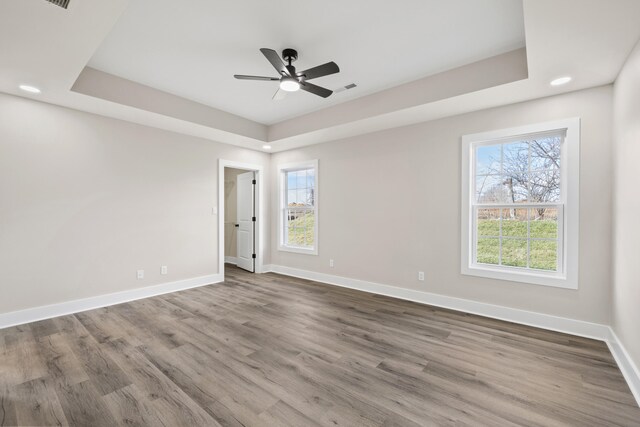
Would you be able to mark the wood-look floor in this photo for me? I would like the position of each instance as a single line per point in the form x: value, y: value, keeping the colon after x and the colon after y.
x: 265, y: 350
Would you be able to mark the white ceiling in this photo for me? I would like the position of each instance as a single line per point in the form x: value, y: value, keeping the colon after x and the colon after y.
x: 192, y: 48
x: 49, y: 47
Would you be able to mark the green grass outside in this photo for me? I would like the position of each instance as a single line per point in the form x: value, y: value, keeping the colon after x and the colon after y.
x: 543, y: 253
x: 301, y: 230
x: 515, y: 228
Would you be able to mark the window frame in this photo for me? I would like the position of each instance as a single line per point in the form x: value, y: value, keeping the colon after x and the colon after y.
x: 568, y: 228
x: 282, y: 198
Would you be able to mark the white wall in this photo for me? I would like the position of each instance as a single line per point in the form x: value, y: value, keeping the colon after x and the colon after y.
x: 231, y: 211
x: 390, y: 207
x: 85, y: 201
x: 626, y: 208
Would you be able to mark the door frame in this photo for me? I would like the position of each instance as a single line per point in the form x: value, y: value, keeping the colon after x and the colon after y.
x: 261, y: 226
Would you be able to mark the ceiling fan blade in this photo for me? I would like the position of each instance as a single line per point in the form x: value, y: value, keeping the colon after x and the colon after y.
x: 273, y: 57
x: 320, y: 71
x: 316, y: 90
x: 243, y: 77
x: 279, y: 95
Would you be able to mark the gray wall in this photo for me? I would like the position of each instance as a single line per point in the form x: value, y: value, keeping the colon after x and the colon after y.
x: 626, y: 208
x: 389, y: 206
x: 87, y: 200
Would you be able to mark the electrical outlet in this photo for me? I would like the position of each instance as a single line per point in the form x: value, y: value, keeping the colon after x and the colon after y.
x: 331, y: 264
x: 421, y: 276
x: 140, y: 274
x: 163, y: 269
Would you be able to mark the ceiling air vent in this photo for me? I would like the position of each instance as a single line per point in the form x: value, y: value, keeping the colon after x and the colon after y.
x: 62, y: 3
x: 347, y: 87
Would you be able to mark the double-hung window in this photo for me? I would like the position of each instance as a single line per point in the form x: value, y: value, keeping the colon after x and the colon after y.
x: 298, y: 222
x: 520, y: 204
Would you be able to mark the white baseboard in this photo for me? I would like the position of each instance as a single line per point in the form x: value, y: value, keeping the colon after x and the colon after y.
x: 629, y: 369
x: 54, y: 310
x: 231, y: 260
x: 540, y: 320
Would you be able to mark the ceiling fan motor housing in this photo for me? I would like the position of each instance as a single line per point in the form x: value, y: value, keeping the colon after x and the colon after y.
x: 290, y: 55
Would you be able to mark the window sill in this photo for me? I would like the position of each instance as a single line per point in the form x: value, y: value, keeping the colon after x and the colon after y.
x: 553, y: 280
x: 298, y: 250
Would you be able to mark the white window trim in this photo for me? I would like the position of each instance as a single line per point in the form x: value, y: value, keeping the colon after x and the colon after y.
x: 570, y: 187
x: 281, y: 199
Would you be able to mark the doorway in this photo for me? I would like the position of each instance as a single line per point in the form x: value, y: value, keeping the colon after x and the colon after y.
x: 240, y: 215
x: 239, y: 218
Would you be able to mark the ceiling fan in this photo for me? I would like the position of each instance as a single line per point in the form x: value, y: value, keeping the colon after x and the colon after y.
x: 290, y: 80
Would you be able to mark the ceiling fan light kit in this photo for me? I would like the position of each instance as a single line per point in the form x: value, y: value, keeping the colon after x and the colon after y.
x: 289, y: 84
x: 290, y: 80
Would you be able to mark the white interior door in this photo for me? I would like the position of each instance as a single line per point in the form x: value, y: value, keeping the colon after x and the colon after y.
x: 246, y: 220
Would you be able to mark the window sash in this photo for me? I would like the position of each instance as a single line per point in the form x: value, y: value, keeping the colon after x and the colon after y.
x: 299, y: 242
x: 559, y: 239
x: 516, y: 205
x: 562, y: 134
x: 286, y: 186
x: 285, y: 227
x: 287, y: 209
x: 474, y: 205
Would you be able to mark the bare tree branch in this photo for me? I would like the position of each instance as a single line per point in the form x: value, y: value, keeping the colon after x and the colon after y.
x: 518, y: 183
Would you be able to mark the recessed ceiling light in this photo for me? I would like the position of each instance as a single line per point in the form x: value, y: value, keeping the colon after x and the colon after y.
x: 30, y: 89
x: 266, y: 147
x: 560, y: 81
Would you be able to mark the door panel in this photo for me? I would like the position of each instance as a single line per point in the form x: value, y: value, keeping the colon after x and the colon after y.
x: 246, y: 212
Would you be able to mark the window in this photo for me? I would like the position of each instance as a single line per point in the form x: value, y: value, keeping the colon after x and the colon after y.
x: 298, y: 224
x: 520, y: 204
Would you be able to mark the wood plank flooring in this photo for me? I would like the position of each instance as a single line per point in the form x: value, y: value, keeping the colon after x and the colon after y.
x: 269, y: 350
